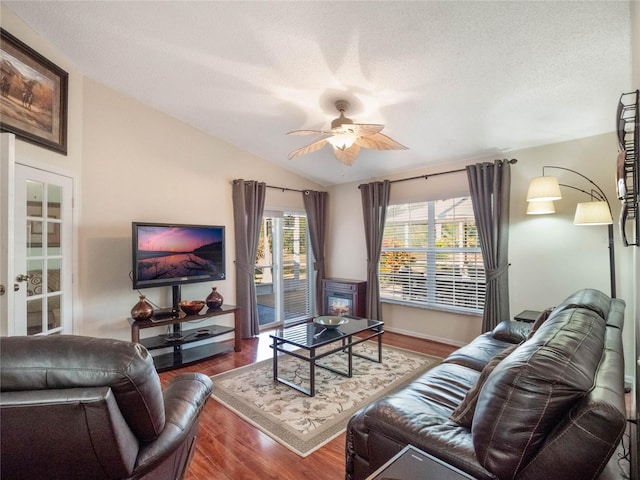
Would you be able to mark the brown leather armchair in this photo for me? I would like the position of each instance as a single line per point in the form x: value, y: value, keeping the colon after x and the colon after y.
x: 80, y: 407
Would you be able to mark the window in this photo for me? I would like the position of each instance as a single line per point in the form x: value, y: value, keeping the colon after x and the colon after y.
x: 431, y: 256
x: 283, y: 285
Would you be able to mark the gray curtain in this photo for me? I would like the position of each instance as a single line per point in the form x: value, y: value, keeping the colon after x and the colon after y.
x: 490, y: 186
x: 315, y: 204
x: 248, y: 205
x: 375, y: 198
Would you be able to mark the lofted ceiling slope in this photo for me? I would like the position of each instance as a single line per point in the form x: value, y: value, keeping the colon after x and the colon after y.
x: 451, y: 80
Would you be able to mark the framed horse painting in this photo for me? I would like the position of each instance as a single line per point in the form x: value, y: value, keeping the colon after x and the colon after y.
x: 33, y: 95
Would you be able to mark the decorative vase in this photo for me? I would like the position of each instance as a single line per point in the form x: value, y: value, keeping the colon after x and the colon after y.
x: 214, y: 300
x: 142, y: 310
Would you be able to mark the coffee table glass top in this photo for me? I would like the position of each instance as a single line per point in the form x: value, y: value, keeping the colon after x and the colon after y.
x: 311, y: 335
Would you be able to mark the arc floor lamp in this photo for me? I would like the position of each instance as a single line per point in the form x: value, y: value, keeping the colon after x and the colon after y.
x: 544, y: 190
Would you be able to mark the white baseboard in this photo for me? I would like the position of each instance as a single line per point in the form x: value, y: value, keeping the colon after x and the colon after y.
x: 446, y: 341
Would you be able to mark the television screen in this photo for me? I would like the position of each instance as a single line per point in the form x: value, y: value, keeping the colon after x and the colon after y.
x: 170, y: 254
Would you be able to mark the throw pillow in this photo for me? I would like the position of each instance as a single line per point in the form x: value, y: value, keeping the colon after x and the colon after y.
x: 512, y: 332
x: 463, y: 414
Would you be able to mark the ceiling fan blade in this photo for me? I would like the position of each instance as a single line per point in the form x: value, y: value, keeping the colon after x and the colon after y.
x: 309, y: 132
x: 348, y: 155
x: 379, y: 141
x: 308, y: 149
x: 365, y: 129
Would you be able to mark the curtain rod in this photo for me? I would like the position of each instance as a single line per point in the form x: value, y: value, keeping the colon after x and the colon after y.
x: 284, y: 189
x: 512, y: 161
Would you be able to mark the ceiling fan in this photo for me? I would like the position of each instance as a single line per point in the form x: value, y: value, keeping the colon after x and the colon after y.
x: 347, y: 138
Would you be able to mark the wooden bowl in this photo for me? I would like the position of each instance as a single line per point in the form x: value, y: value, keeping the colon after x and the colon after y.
x: 192, y: 307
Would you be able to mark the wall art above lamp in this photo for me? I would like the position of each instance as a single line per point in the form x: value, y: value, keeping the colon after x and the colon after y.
x: 544, y: 190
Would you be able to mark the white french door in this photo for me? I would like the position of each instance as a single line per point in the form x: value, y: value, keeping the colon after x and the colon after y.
x: 37, y: 266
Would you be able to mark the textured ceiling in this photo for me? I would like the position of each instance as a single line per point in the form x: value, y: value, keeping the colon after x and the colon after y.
x: 450, y: 80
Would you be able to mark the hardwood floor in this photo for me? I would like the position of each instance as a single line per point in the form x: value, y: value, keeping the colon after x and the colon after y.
x: 228, y: 448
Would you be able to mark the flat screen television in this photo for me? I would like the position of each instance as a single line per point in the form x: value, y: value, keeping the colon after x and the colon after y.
x: 173, y: 254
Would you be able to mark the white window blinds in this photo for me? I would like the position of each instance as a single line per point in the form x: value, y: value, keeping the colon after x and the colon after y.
x: 295, y: 263
x: 431, y: 256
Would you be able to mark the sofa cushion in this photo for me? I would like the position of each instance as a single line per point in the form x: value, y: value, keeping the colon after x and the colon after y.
x: 531, y: 390
x: 478, y: 353
x: 463, y: 414
x: 418, y: 414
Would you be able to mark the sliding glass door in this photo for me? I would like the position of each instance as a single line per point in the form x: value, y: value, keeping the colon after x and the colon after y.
x: 283, y: 272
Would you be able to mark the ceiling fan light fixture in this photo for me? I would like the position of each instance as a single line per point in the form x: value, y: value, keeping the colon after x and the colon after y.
x: 340, y: 121
x: 342, y: 141
x: 347, y: 138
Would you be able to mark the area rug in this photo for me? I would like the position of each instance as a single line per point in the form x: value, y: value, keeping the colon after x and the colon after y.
x: 302, y: 423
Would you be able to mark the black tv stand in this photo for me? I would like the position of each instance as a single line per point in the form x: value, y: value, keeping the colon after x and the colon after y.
x: 181, y: 357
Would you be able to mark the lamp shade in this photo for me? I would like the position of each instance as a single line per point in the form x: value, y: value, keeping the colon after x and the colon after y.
x: 543, y: 189
x: 342, y: 141
x: 540, y: 208
x: 592, y: 213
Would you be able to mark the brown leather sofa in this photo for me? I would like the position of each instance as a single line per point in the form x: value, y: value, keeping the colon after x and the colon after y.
x: 551, y: 407
x: 76, y: 407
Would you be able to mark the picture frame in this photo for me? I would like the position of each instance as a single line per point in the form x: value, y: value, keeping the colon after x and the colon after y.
x: 33, y: 95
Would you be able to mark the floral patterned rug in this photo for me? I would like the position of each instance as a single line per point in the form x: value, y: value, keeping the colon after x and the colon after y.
x: 302, y: 423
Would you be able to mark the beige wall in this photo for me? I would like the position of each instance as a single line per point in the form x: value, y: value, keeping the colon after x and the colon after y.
x: 141, y: 165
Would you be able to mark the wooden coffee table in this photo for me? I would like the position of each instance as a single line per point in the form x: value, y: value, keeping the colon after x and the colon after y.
x: 309, y: 337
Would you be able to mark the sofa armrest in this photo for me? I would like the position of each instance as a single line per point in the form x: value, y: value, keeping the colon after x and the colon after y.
x: 511, y: 331
x: 437, y: 436
x: 184, y: 399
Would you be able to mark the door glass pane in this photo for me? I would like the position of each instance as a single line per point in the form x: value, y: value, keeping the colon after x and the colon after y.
x: 53, y: 275
x: 53, y: 238
x: 35, y: 196
x: 34, y: 282
x: 54, y: 197
x: 34, y: 316
x: 35, y: 230
x: 264, y: 274
x: 296, y: 281
x: 53, y: 312
x: 282, y: 281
